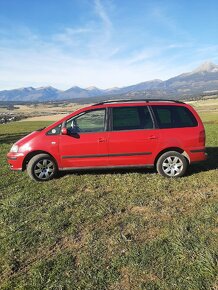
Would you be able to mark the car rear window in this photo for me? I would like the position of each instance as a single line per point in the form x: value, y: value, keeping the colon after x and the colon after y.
x: 174, y: 117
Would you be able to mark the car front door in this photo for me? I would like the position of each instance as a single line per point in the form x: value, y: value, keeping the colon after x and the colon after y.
x: 85, y: 144
x: 132, y: 139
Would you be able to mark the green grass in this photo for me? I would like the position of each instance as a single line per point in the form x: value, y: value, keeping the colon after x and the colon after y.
x: 209, y: 118
x: 108, y: 230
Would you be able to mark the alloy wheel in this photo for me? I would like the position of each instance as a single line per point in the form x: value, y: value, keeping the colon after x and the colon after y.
x: 172, y: 166
x: 44, y: 169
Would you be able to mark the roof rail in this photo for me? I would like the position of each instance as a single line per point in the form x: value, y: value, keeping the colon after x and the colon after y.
x: 137, y: 100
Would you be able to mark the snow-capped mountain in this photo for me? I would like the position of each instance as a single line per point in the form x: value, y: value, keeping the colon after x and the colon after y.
x: 202, y: 79
x: 206, y: 67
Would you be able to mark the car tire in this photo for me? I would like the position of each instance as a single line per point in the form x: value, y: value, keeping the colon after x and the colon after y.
x: 172, y: 164
x: 42, y: 167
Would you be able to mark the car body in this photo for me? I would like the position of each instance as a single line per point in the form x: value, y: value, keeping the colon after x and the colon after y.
x: 125, y: 133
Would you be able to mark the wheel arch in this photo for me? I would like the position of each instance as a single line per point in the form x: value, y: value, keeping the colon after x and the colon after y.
x: 177, y: 149
x: 30, y: 155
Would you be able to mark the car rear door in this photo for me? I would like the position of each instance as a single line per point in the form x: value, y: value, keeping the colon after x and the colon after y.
x: 178, y: 127
x: 132, y: 138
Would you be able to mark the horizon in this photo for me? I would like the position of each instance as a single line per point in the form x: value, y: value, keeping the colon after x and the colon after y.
x: 103, y: 43
x: 94, y: 87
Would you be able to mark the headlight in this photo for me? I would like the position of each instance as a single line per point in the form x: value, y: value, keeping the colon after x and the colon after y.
x: 14, y: 148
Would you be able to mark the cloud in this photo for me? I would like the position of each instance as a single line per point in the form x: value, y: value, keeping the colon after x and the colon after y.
x: 53, y: 67
x: 101, y: 12
x: 47, y: 65
x: 71, y: 36
x: 92, y: 39
x: 100, y: 44
x: 43, y: 63
x: 90, y: 54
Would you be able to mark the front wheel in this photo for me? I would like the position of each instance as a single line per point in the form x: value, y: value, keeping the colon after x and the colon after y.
x: 42, y: 167
x: 172, y: 164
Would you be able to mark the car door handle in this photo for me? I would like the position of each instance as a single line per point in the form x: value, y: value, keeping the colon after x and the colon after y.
x: 152, y: 137
x: 102, y: 140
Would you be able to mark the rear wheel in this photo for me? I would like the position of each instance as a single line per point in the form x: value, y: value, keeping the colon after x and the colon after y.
x: 42, y: 167
x: 172, y: 164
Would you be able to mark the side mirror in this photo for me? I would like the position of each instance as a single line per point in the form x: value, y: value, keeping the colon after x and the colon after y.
x: 64, y: 131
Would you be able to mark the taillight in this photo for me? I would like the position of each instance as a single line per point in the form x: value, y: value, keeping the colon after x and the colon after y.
x: 202, y: 137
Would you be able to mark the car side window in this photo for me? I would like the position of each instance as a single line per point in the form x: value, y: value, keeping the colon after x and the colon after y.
x: 131, y: 118
x: 91, y: 121
x: 174, y: 117
x: 55, y: 131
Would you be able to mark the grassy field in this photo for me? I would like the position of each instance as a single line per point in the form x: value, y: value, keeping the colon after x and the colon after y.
x: 116, y: 230
x: 45, y: 112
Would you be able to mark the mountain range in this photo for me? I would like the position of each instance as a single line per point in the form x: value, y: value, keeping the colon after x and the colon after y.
x: 203, y: 79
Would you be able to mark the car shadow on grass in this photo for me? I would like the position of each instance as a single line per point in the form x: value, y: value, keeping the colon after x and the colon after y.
x: 106, y: 171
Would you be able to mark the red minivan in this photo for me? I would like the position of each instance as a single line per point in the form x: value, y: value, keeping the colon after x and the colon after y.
x: 165, y: 134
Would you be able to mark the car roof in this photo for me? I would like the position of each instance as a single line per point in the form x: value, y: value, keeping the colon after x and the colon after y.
x: 137, y: 101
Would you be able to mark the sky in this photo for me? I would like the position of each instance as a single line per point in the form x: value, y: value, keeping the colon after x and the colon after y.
x: 103, y: 43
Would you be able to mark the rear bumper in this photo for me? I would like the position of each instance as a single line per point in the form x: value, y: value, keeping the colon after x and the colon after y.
x: 15, y: 160
x: 198, y: 155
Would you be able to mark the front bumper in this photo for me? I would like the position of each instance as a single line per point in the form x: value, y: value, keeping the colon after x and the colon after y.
x: 15, y: 160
